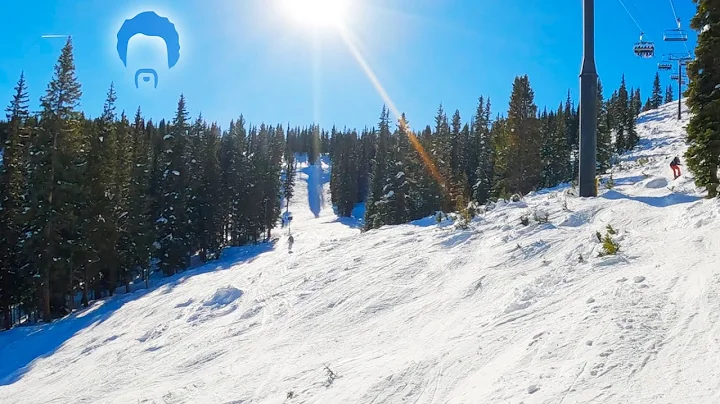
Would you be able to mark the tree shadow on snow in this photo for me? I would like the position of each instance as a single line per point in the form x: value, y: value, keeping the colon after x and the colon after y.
x: 315, y: 180
x: 20, y: 347
x: 356, y: 219
x: 656, y: 201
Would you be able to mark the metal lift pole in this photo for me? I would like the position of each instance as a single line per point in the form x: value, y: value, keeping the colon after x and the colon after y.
x: 680, y: 63
x: 588, y: 105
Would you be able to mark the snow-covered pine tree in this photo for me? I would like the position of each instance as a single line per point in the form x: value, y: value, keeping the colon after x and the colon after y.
x: 290, y: 172
x: 483, y: 173
x: 376, y: 211
x: 55, y: 183
x: 171, y: 224
x: 703, y: 99
x: 139, y: 218
x: 13, y: 187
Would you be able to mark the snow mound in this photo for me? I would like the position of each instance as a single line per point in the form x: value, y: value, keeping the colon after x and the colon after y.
x: 223, y: 297
x: 657, y: 183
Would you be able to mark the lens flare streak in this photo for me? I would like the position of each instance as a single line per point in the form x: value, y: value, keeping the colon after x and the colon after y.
x: 427, y: 160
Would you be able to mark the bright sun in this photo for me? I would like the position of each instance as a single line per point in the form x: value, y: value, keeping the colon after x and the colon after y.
x: 316, y: 13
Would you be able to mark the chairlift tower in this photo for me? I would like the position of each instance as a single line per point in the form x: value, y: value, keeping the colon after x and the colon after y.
x: 588, y: 105
x: 682, y: 59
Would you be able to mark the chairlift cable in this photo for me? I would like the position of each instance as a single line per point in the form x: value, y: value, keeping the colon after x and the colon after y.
x: 672, y: 6
x: 631, y: 16
x: 677, y: 20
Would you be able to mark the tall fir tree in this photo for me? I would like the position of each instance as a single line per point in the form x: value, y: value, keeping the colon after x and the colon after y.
x: 669, y: 96
x: 12, y: 200
x: 377, y: 212
x: 656, y: 99
x: 484, y: 160
x: 524, y: 166
x: 290, y: 173
x: 703, y: 99
x: 208, y: 195
x: 621, y: 115
x: 604, y: 133
x: 55, y: 184
x: 141, y: 195
x: 100, y: 228
x: 171, y: 224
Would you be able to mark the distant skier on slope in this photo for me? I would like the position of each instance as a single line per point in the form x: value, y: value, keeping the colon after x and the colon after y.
x: 675, y: 165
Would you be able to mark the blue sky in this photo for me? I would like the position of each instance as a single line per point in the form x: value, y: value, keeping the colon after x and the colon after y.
x: 243, y: 57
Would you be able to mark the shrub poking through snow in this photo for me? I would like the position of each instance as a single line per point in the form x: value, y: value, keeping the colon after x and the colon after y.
x: 525, y: 219
x: 541, y: 216
x: 515, y: 198
x: 642, y: 161
x: 610, y: 183
x: 331, y: 376
x: 610, y: 230
x: 599, y: 236
x: 610, y: 246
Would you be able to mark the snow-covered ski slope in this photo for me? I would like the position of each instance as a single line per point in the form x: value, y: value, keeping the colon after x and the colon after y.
x: 419, y: 313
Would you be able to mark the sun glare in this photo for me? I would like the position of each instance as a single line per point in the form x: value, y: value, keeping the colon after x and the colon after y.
x: 316, y: 13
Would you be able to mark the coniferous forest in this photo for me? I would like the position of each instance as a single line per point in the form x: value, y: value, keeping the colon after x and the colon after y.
x: 403, y: 175
x: 88, y: 206
x: 92, y: 206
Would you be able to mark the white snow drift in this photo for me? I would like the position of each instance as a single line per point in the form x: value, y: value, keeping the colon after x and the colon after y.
x: 419, y: 313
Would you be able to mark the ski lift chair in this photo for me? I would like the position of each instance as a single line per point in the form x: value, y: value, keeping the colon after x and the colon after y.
x: 644, y: 49
x: 665, y: 66
x: 676, y: 35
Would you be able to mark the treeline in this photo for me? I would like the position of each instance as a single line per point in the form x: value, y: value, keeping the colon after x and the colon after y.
x: 403, y: 175
x: 90, y: 205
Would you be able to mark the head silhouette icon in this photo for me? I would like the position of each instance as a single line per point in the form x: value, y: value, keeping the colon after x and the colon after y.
x: 150, y: 24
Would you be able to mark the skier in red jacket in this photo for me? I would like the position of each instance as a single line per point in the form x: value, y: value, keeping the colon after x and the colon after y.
x: 675, y: 165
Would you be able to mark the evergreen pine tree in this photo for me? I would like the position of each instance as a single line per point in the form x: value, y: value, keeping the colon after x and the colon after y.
x: 208, y: 196
x: 139, y: 221
x: 12, y: 192
x: 622, y: 114
x: 656, y: 99
x: 669, y: 97
x: 632, y: 136
x: 604, y: 134
x: 100, y: 228
x: 524, y: 165
x: 375, y: 211
x: 703, y: 99
x: 484, y: 161
x: 121, y: 200
x: 54, y: 185
x: 171, y: 225
x: 290, y: 173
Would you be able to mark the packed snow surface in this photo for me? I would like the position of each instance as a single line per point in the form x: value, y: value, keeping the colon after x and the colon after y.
x: 419, y: 313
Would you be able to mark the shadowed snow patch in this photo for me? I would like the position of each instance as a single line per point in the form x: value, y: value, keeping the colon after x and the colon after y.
x: 224, y: 296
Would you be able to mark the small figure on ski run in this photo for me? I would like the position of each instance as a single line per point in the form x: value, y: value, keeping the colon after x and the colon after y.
x: 290, y: 243
x: 675, y: 165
